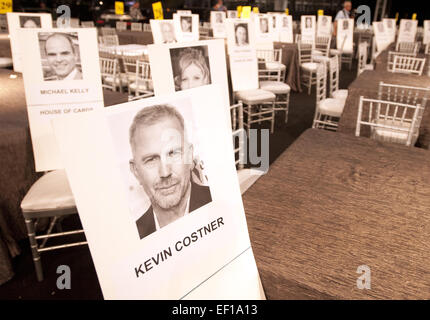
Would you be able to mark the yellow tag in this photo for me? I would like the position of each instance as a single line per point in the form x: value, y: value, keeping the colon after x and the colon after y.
x: 414, y: 16
x: 5, y: 6
x: 320, y: 12
x: 239, y: 11
x: 397, y: 16
x: 157, y: 8
x: 119, y: 7
x: 287, y: 12
x: 246, y: 12
x: 255, y: 10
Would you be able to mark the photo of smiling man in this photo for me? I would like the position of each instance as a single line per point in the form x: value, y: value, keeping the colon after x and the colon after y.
x: 60, y: 56
x: 164, y: 164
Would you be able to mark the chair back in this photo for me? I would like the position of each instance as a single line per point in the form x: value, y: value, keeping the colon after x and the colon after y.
x: 204, y: 31
x: 410, y: 65
x: 390, y: 121
x: 121, y: 25
x: 362, y: 57
x: 143, y: 80
x: 334, y: 74
x: 108, y: 31
x: 110, y: 40
x: 392, y: 54
x: 407, y: 47
x: 147, y: 27
x: 321, y: 86
x: 109, y: 70
x: 323, y: 44
x: 239, y: 145
x: 403, y: 94
x: 305, y: 52
x: 87, y: 24
x: 136, y: 26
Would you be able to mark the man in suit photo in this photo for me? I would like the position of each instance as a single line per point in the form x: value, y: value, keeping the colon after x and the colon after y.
x: 164, y: 165
x: 62, y: 58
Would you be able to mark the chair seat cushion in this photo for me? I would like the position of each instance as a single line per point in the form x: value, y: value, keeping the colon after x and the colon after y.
x: 110, y: 80
x: 275, y: 66
x: 320, y: 58
x: 331, y: 107
x: 391, y: 134
x: 276, y: 87
x: 341, y: 94
x: 310, y: 66
x: 141, y: 86
x: 50, y: 192
x: 5, y: 62
x: 368, y: 67
x: 317, y: 53
x: 337, y: 51
x: 255, y: 96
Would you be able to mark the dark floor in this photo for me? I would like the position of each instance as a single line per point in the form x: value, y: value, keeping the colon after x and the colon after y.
x: 84, y: 282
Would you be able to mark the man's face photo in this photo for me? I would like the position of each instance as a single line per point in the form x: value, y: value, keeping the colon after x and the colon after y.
x: 186, y: 24
x: 408, y: 26
x: 324, y: 21
x: 241, y: 35
x: 158, y: 162
x: 308, y: 23
x: 264, y: 25
x: 61, y: 56
x: 345, y: 25
x: 285, y: 22
x: 167, y: 32
x: 218, y: 17
x: 389, y: 24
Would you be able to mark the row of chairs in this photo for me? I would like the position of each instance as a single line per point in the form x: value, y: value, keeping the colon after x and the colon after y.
x: 134, y: 26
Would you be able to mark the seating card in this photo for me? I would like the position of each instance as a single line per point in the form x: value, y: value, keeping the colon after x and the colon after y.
x: 308, y: 27
x: 18, y: 21
x: 382, y: 36
x: 324, y: 26
x: 391, y: 28
x: 345, y: 33
x: 61, y: 77
x: 218, y: 24
x: 177, y: 67
x: 186, y: 27
x: 286, y: 28
x: 264, y: 31
x: 426, y: 35
x: 117, y: 162
x: 163, y: 31
x: 408, y: 30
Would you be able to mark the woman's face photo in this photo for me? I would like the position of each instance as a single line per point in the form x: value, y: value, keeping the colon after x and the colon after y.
x: 192, y: 77
x: 241, y: 36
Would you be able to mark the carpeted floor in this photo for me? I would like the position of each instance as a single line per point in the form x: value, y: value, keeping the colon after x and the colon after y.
x: 84, y: 282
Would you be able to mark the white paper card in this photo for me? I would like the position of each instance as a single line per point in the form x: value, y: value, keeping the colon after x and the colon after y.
x: 17, y: 21
x: 407, y: 30
x: 240, y: 34
x: 382, y: 36
x: 178, y: 67
x: 308, y: 28
x: 391, y: 28
x: 426, y: 36
x: 244, y: 69
x: 135, y: 261
x: 286, y: 28
x: 163, y: 31
x: 218, y: 24
x: 345, y: 33
x: 186, y: 27
x: 264, y: 31
x: 324, y: 26
x: 61, y: 78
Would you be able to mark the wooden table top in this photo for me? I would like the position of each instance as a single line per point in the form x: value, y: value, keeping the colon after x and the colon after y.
x: 333, y: 202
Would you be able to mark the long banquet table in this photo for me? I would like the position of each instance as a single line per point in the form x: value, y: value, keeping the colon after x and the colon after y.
x: 367, y: 85
x: 17, y: 164
x: 134, y: 37
x: 333, y: 202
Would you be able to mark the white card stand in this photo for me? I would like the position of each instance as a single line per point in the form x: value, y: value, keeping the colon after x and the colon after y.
x: 345, y: 33
x: 308, y: 28
x: 324, y: 26
x: 162, y: 68
x: 286, y: 28
x: 407, y: 30
x: 426, y: 35
x: 182, y: 34
x: 218, y: 24
x: 263, y: 28
x: 382, y: 37
x: 391, y: 28
x: 219, y: 265
x: 163, y: 31
x: 18, y: 21
x: 49, y: 98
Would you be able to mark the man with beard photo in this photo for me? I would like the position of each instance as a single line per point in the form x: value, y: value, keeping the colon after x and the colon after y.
x: 164, y: 165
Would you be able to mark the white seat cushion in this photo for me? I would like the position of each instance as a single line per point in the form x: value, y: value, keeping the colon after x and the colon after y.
x: 310, y: 66
x: 321, y: 59
x: 277, y: 87
x: 255, y: 96
x: 390, y: 134
x: 368, y: 67
x: 50, y: 192
x: 331, y: 107
x: 110, y: 80
x: 317, y: 53
x: 341, y: 94
x: 334, y: 52
x: 275, y: 66
x: 142, y: 86
x: 5, y: 62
